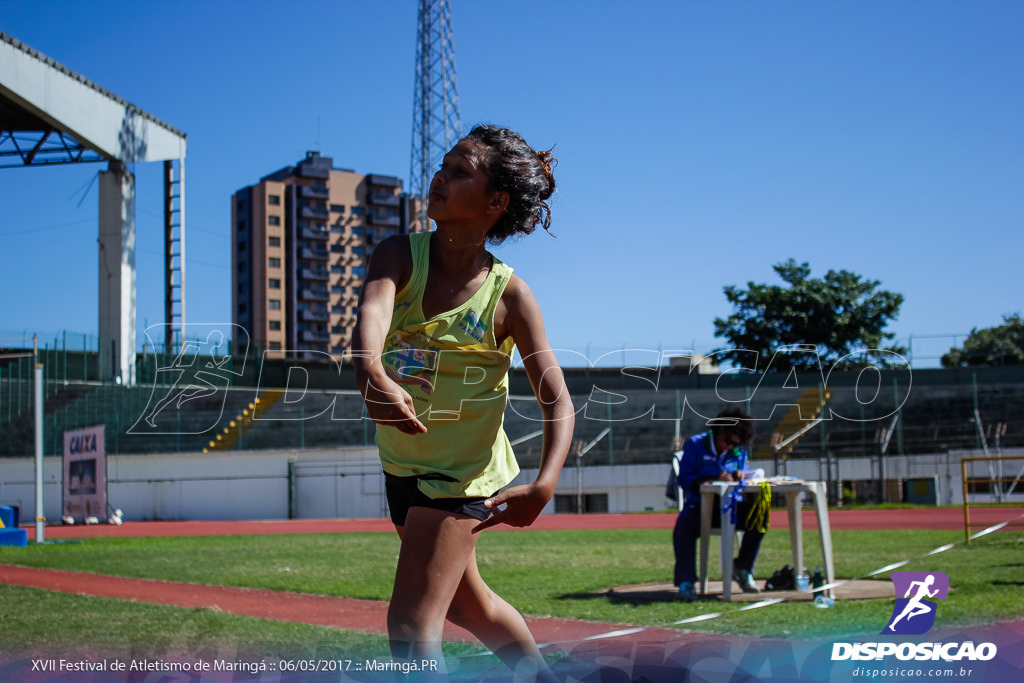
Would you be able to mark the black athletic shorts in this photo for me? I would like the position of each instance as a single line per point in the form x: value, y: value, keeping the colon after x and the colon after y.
x: 404, y: 493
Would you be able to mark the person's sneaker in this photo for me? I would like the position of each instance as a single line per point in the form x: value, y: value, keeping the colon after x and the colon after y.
x: 745, y: 579
x: 687, y: 592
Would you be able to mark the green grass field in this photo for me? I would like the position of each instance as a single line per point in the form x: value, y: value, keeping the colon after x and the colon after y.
x: 543, y: 573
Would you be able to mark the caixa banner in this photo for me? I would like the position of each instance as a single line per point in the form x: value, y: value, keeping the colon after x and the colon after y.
x: 85, y: 474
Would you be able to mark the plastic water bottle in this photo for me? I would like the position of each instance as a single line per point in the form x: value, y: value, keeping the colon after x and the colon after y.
x: 802, y: 582
x: 821, y: 601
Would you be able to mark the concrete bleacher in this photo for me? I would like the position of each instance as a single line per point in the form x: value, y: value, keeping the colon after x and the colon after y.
x: 646, y: 410
x: 19, y: 426
x: 934, y: 419
x: 314, y: 419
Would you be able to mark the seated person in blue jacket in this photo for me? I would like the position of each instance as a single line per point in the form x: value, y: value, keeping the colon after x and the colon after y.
x: 717, y: 454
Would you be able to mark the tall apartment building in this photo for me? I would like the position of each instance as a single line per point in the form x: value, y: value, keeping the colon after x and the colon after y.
x: 301, y: 240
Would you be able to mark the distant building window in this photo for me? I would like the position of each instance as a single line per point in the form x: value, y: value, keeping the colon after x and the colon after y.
x: 275, y: 346
x: 274, y: 304
x: 273, y: 241
x: 274, y: 283
x: 242, y: 246
x: 274, y: 324
x: 338, y: 208
x: 273, y: 220
x: 242, y: 266
x: 358, y: 271
x: 359, y: 231
x: 241, y: 308
x: 273, y: 262
x: 358, y: 210
x: 274, y: 199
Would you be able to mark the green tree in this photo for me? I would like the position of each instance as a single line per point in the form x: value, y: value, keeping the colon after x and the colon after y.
x: 1001, y: 345
x: 841, y: 317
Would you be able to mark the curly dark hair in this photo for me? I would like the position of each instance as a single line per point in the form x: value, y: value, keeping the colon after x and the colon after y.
x: 525, y: 174
x: 734, y: 422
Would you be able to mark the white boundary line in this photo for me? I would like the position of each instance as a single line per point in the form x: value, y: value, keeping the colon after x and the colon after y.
x: 768, y: 601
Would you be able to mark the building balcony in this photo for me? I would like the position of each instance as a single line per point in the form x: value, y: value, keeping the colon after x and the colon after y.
x: 312, y: 212
x: 315, y: 234
x: 311, y: 294
x: 315, y: 254
x: 314, y: 171
x: 382, y: 198
x: 315, y: 317
x: 309, y: 192
x: 384, y: 180
x: 380, y: 219
x: 321, y: 275
x: 317, y: 337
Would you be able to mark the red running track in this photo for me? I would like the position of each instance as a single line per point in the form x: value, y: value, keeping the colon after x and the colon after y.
x: 370, y: 615
x: 947, y: 518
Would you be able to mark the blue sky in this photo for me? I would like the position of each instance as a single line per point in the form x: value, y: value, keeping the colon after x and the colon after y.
x: 699, y: 143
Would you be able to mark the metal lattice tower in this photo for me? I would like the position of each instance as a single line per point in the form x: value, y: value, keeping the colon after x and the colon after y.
x: 436, y: 125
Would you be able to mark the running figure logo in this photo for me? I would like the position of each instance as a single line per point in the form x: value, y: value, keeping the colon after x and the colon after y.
x: 914, y: 613
x: 194, y: 384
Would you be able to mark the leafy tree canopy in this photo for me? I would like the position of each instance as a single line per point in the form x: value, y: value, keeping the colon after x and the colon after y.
x: 1001, y: 345
x: 841, y: 317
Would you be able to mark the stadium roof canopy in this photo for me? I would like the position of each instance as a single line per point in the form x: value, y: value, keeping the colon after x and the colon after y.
x: 50, y: 114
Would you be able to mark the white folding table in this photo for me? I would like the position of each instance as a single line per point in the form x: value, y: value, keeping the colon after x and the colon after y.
x: 793, y: 490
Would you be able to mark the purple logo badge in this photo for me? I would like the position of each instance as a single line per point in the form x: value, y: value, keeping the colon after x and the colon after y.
x: 914, y: 613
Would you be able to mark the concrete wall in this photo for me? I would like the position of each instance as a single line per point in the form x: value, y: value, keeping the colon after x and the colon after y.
x: 347, y: 483
x: 198, y: 486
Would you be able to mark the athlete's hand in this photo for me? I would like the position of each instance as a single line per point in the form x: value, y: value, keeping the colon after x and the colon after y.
x: 387, y: 403
x: 522, y: 506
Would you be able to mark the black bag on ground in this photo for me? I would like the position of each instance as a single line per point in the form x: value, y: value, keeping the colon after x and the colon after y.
x: 782, y: 580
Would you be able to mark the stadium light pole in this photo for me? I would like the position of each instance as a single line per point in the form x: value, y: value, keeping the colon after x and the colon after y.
x: 38, y: 372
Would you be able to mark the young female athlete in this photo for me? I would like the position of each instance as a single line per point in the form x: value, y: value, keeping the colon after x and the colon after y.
x: 439, y: 317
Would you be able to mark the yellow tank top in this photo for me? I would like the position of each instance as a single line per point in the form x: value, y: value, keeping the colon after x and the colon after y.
x: 457, y: 376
